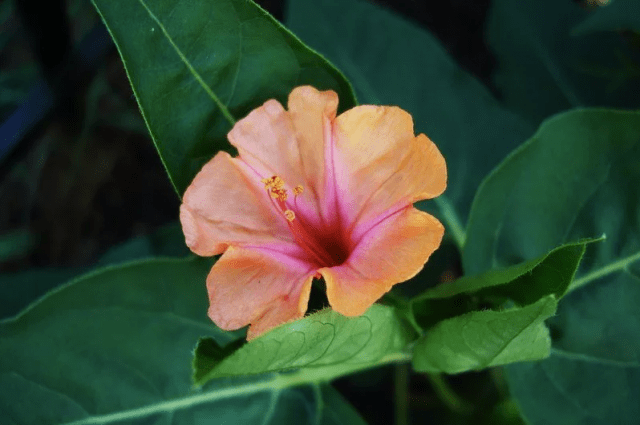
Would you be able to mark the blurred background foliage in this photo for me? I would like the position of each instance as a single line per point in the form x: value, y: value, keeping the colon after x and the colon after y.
x: 81, y: 184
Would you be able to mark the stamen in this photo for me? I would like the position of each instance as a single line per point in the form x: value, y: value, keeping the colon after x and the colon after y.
x: 273, y: 182
x: 268, y: 183
x: 275, y: 186
x: 280, y: 194
x: 301, y: 231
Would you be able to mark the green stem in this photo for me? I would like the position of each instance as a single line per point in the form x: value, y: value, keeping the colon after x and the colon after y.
x: 452, y: 221
x: 401, y: 383
x: 276, y: 383
x: 317, y: 393
x: 446, y: 394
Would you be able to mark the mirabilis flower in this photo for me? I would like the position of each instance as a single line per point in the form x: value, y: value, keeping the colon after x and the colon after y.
x: 312, y: 195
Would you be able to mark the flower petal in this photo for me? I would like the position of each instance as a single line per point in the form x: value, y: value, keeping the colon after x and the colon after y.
x: 391, y: 252
x: 223, y: 205
x: 258, y: 287
x: 380, y: 164
x: 289, y: 144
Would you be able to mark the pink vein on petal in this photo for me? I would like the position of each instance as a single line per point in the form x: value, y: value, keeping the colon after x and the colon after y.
x: 296, y: 254
x: 332, y: 184
x: 370, y: 226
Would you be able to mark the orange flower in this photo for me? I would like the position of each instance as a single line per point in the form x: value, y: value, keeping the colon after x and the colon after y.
x: 312, y: 195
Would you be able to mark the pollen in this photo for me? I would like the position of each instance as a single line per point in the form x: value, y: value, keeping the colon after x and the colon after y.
x: 275, y: 186
x: 298, y: 190
x: 290, y: 215
x: 273, y: 182
x: 280, y: 194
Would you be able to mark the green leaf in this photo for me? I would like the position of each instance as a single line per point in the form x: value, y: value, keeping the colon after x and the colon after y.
x: 392, y: 61
x: 544, y: 69
x: 482, y: 339
x: 593, y: 374
x: 114, y: 346
x: 576, y: 177
x: 616, y: 16
x: 198, y: 66
x: 323, y: 345
x: 208, y: 354
x: 524, y: 283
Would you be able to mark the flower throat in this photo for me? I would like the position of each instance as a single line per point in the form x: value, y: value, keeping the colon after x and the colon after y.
x: 314, y: 241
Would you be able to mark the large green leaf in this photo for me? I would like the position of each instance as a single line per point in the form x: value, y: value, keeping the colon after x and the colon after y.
x: 197, y: 66
x: 524, y: 283
x: 575, y: 392
x: 543, y: 68
x: 482, y: 339
x: 325, y: 344
x: 577, y: 177
x: 115, y: 346
x: 391, y: 61
x: 593, y: 374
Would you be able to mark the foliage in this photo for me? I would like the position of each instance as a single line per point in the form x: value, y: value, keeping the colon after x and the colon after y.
x: 546, y: 221
x: 193, y: 81
x: 575, y: 177
x: 547, y: 65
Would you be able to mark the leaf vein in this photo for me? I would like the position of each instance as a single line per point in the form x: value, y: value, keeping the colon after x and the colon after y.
x: 225, y: 111
x: 612, y: 267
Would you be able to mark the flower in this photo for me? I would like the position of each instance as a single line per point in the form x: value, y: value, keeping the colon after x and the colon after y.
x: 312, y: 195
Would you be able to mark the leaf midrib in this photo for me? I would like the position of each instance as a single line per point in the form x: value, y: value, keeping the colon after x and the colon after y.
x: 225, y: 111
x: 277, y: 383
x: 589, y: 358
x: 535, y: 321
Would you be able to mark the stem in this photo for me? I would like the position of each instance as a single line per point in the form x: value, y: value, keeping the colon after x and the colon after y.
x: 401, y: 383
x: 446, y: 394
x: 450, y: 215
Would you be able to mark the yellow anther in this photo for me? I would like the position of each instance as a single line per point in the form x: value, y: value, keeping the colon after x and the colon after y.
x: 275, y: 187
x: 298, y: 190
x: 290, y: 215
x: 280, y: 194
x: 273, y: 182
x: 267, y: 182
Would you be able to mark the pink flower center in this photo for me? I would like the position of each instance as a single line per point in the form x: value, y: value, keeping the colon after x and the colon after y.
x: 327, y: 246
